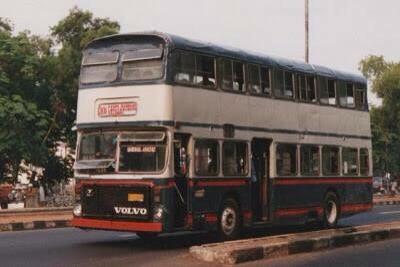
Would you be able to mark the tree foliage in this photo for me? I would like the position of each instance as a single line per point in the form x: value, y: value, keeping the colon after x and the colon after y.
x: 38, y: 92
x: 385, y: 119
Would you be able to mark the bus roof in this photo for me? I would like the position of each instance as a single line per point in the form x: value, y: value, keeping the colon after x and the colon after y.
x: 174, y: 41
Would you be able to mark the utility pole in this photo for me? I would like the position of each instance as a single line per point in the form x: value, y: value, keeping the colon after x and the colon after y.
x: 306, y: 29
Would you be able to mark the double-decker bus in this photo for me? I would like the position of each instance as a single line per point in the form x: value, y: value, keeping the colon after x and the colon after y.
x: 178, y: 135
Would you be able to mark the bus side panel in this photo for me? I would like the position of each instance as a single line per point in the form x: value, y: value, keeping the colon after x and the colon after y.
x: 297, y: 200
x: 207, y: 196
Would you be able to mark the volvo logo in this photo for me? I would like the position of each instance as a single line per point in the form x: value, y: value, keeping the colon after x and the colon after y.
x: 89, y: 192
x: 130, y: 211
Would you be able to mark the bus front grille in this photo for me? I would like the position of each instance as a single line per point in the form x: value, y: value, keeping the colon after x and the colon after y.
x: 119, y: 202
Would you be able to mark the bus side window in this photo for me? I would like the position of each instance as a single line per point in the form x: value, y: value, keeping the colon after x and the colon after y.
x: 253, y: 78
x: 266, y: 81
x: 364, y: 161
x: 350, y: 161
x: 226, y: 74
x: 301, y: 87
x: 234, y: 158
x: 361, y: 97
x: 206, y: 160
x: 184, y: 68
x: 205, y: 71
x: 311, y: 94
x: 309, y: 160
x: 288, y: 92
x: 330, y: 160
x: 181, y: 157
x: 278, y: 82
x: 286, y: 159
x: 238, y: 77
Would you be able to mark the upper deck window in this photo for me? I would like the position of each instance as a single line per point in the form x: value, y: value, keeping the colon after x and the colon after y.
x: 346, y: 94
x: 198, y: 70
x: 327, y: 91
x: 361, y: 97
x: 258, y: 80
x: 283, y: 84
x: 144, y: 64
x: 232, y: 75
x: 99, y: 67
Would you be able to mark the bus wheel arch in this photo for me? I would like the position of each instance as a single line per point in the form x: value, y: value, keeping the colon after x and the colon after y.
x: 230, y: 219
x: 331, y: 208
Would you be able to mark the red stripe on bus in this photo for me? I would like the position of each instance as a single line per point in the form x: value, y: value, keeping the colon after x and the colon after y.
x: 297, y: 181
x: 117, y: 225
x: 296, y: 211
x: 247, y: 214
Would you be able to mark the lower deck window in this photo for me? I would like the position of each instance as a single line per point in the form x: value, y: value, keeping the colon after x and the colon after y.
x: 349, y: 161
x: 330, y: 160
x: 234, y: 158
x: 364, y: 161
x: 309, y: 156
x: 206, y: 157
x: 286, y: 159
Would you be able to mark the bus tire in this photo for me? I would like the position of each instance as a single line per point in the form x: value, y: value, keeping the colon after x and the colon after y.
x: 4, y: 205
x: 147, y: 235
x: 331, y: 210
x: 229, y: 220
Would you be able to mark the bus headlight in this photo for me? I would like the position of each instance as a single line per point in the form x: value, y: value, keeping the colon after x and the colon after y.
x: 158, y: 213
x: 77, y: 211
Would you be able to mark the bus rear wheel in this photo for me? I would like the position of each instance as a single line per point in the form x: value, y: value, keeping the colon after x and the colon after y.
x: 331, y: 210
x: 229, y: 220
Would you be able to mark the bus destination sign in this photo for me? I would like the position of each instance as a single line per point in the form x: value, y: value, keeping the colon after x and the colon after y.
x: 117, y: 109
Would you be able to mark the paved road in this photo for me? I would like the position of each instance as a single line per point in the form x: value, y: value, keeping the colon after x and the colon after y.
x: 73, y: 247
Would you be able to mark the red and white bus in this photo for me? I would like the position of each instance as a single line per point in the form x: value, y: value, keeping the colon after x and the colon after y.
x: 176, y: 134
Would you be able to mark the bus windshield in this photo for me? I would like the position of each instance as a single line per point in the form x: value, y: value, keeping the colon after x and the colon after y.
x: 135, y: 152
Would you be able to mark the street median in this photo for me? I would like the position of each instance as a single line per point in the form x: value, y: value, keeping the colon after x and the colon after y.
x: 35, y: 218
x: 239, y: 251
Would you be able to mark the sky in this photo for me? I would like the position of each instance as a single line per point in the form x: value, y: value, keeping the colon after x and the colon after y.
x: 342, y: 32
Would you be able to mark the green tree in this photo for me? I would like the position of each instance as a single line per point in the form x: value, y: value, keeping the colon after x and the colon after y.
x: 385, y: 119
x: 73, y: 33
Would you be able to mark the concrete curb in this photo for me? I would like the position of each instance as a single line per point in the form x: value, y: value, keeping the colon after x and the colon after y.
x: 268, y: 247
x: 19, y: 226
x: 387, y: 202
x: 34, y: 210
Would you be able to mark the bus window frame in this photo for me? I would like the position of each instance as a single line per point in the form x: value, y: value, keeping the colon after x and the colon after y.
x: 219, y: 155
x: 297, y: 159
x: 247, y: 166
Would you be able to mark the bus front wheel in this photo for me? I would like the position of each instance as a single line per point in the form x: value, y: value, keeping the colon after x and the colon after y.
x: 331, y: 210
x: 229, y: 220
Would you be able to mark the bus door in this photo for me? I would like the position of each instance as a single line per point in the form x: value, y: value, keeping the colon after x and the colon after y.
x: 181, y: 166
x: 260, y: 179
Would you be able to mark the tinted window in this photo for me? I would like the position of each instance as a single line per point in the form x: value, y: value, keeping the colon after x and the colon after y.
x: 349, y: 161
x: 234, y: 158
x: 330, y: 160
x: 142, y: 70
x: 346, y: 95
x: 278, y: 83
x: 364, y: 161
x: 185, y: 66
x: 265, y: 81
x: 205, y: 71
x: 206, y: 157
x: 98, y: 73
x: 288, y: 85
x: 253, y: 78
x: 311, y: 96
x: 301, y: 87
x: 309, y: 158
x: 323, y: 90
x: 286, y: 164
x: 226, y: 70
x: 238, y: 77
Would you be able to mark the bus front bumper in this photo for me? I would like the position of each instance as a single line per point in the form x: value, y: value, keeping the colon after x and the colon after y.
x: 129, y: 226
